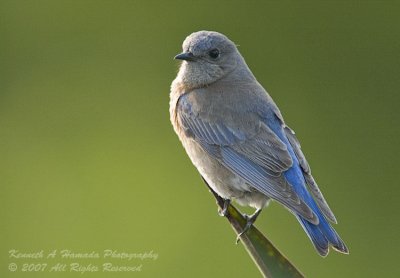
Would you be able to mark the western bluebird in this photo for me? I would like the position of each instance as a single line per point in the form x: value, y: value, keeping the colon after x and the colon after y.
x: 236, y: 137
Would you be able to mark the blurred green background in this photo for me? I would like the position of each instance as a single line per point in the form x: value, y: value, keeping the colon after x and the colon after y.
x: 89, y: 160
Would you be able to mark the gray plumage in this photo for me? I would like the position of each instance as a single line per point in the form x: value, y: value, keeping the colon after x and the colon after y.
x: 235, y: 135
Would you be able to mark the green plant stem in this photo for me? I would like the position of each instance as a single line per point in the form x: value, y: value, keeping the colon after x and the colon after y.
x: 265, y: 255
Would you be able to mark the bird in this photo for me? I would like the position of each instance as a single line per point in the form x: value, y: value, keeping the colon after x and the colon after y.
x: 236, y: 137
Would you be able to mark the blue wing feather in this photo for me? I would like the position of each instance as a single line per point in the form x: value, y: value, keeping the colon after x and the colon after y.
x: 259, y: 158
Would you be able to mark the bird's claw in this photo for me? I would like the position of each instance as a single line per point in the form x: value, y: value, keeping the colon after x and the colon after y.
x: 224, y: 210
x: 249, y: 222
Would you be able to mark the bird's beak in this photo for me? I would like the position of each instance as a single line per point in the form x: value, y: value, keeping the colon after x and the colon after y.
x: 187, y: 56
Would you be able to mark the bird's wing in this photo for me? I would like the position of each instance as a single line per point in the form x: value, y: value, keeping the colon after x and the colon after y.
x: 312, y: 185
x: 259, y: 156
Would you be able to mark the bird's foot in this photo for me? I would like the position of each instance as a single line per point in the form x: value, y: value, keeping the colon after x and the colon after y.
x: 224, y: 210
x: 249, y: 222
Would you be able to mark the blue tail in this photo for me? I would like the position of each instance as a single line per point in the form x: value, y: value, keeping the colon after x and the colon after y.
x: 321, y: 235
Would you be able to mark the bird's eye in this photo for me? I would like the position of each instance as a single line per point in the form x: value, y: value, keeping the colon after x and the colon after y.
x: 214, y: 53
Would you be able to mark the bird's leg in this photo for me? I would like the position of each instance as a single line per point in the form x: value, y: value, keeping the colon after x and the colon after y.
x: 250, y: 221
x: 224, y: 210
x: 226, y: 202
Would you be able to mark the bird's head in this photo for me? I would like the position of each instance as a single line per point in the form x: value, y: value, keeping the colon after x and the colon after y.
x: 207, y: 57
